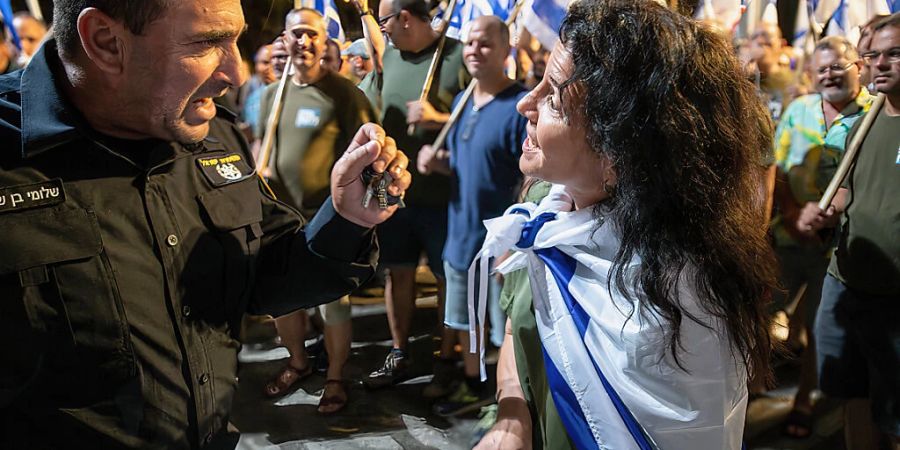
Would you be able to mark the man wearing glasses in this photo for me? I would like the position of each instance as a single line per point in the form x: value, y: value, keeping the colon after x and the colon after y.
x: 394, y: 88
x: 857, y: 331
x: 812, y: 125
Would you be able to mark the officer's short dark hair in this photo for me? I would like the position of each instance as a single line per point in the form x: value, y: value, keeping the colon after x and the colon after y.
x: 136, y: 14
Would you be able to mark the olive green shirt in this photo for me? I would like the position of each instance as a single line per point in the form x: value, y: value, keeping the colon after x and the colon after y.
x: 868, y: 255
x: 316, y: 125
x: 401, y: 82
x: 125, y: 270
x: 516, y: 300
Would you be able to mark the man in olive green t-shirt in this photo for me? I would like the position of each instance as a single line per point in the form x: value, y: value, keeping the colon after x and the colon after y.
x: 857, y: 332
x: 320, y: 115
x: 394, y: 88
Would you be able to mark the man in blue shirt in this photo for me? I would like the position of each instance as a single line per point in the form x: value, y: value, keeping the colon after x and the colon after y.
x: 483, y: 163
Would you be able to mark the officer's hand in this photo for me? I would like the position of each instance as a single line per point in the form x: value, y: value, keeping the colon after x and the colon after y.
x: 370, y: 146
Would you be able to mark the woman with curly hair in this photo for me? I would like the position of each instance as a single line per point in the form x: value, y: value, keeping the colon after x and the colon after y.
x: 647, y: 261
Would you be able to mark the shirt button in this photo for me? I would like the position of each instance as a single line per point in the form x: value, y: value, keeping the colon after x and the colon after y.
x: 186, y: 311
x: 172, y: 240
x: 204, y: 378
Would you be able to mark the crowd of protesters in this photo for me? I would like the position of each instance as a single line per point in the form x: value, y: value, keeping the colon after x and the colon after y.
x: 834, y: 306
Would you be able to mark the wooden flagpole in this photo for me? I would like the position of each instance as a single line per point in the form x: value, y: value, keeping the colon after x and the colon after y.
x: 438, y: 52
x: 457, y: 111
x: 851, y: 153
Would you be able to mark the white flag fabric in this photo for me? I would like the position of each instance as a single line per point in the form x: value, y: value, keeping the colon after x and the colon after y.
x: 847, y: 16
x: 468, y: 10
x: 543, y: 18
x: 725, y: 12
x: 613, y: 381
x: 332, y: 19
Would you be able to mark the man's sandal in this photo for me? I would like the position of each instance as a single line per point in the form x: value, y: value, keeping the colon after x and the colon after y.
x: 287, y: 378
x: 334, y: 402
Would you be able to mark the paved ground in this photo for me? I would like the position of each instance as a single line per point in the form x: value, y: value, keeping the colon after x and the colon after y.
x: 399, y: 418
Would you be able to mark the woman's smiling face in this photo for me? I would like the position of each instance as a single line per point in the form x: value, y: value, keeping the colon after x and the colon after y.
x: 557, y: 149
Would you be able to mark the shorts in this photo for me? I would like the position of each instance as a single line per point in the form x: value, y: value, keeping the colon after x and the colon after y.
x: 799, y: 266
x: 456, y: 304
x: 336, y: 312
x: 858, y: 350
x: 408, y: 233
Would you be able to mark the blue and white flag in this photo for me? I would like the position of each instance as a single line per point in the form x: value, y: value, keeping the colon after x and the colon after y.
x: 468, y: 10
x: 612, y: 379
x: 543, y: 18
x: 845, y: 17
x: 332, y: 18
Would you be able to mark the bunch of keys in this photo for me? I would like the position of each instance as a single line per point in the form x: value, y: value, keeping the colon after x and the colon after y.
x: 376, y: 186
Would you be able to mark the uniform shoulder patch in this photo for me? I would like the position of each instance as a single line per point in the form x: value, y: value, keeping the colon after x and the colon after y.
x: 224, y: 169
x: 28, y: 196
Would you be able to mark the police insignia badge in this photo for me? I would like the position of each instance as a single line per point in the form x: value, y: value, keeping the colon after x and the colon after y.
x: 226, y: 169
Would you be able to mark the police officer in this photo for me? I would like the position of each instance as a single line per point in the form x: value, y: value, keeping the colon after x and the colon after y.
x: 136, y: 233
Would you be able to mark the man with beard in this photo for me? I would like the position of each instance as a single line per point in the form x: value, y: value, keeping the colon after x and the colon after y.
x: 321, y: 112
x: 136, y: 233
x: 857, y: 332
x: 812, y: 125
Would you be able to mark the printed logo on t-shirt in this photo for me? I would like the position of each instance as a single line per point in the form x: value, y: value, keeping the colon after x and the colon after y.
x: 308, y: 118
x: 897, y: 162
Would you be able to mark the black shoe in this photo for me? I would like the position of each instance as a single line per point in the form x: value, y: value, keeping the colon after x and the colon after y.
x: 395, y: 370
x: 446, y: 377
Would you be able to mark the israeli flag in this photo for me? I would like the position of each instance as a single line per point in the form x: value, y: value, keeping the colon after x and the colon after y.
x: 468, y: 10
x: 332, y: 18
x: 542, y: 18
x: 611, y: 377
x: 847, y: 16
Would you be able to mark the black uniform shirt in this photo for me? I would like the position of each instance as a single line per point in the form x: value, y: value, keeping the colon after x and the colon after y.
x: 125, y: 269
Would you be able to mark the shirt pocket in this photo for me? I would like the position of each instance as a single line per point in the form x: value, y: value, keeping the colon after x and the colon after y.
x: 233, y: 214
x: 56, y: 286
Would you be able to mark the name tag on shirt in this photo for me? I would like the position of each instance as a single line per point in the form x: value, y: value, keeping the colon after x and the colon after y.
x: 227, y: 169
x: 28, y: 196
x: 308, y: 118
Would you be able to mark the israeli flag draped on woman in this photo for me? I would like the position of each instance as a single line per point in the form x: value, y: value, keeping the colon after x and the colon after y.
x: 614, y: 382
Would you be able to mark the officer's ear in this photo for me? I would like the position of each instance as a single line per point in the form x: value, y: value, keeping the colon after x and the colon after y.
x: 102, y: 40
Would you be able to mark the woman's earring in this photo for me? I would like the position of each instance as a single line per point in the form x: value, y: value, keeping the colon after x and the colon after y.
x: 610, y: 189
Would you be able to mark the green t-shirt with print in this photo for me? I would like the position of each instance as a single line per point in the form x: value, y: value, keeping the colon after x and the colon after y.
x: 317, y: 123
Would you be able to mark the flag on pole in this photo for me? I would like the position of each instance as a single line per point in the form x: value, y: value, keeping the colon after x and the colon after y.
x: 7, y: 13
x: 469, y: 10
x: 725, y: 12
x: 332, y: 18
x: 850, y: 15
x: 543, y: 18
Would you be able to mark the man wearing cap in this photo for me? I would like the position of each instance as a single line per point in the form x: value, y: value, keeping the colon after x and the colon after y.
x: 357, y: 55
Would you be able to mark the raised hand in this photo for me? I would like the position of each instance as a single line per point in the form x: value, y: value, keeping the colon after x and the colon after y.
x: 370, y: 146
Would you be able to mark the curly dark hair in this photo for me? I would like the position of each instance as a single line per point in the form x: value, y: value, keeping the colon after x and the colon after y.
x: 665, y: 100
